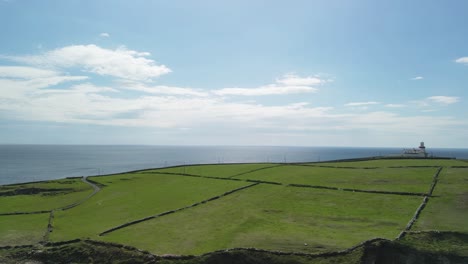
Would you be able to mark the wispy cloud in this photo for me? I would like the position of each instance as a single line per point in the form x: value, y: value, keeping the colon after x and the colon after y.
x: 266, y: 90
x: 40, y: 90
x: 395, y: 105
x: 104, y: 35
x: 433, y: 103
x: 295, y: 80
x: 162, y: 89
x: 362, y: 103
x: 417, y: 78
x: 288, y: 84
x: 121, y: 62
x: 21, y: 72
x: 463, y: 60
x: 17, y: 82
x: 444, y: 100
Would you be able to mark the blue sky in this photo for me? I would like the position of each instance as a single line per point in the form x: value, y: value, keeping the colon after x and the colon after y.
x: 298, y: 73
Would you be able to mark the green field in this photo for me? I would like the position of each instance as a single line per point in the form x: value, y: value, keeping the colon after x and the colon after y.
x: 128, y: 197
x: 448, y: 210
x: 385, y: 163
x: 220, y: 170
x: 22, y: 229
x: 381, y: 179
x: 277, y: 217
x: 52, y: 195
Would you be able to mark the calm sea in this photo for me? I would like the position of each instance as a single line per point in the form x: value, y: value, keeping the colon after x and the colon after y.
x: 24, y: 163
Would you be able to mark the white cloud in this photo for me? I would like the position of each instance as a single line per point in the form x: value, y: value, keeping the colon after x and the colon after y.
x: 121, y: 62
x: 92, y: 104
x: 361, y: 103
x: 161, y: 89
x: 394, y: 105
x: 417, y: 78
x: 28, y: 93
x: 20, y: 72
x: 104, y: 35
x: 266, y: 90
x: 16, y: 82
x: 288, y: 84
x: 387, y: 121
x: 444, y: 100
x: 463, y: 60
x: 294, y: 80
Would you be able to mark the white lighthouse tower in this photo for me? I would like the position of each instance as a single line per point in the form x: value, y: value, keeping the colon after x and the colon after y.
x: 419, y: 152
x: 422, y: 147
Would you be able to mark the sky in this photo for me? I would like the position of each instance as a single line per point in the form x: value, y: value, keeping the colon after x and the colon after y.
x: 366, y: 73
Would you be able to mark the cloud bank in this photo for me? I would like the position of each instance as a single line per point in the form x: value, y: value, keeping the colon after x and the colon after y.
x: 121, y: 62
x: 41, y: 88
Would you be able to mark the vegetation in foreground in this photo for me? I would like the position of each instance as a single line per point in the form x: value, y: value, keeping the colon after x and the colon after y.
x: 414, y: 248
x: 297, y: 208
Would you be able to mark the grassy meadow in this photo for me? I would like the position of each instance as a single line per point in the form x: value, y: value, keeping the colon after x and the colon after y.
x: 128, y: 197
x: 275, y: 218
x: 278, y: 217
x: 22, y: 229
x: 380, y: 179
x: 448, y: 210
x: 218, y: 170
x: 43, y: 195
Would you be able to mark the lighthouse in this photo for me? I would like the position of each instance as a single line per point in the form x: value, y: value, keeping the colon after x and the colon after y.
x: 422, y: 147
x: 416, y: 152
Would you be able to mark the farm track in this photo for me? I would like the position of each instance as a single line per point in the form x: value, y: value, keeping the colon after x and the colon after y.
x: 84, y: 179
x: 50, y: 225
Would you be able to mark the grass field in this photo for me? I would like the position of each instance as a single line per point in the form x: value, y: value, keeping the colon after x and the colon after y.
x: 382, y: 179
x: 128, y: 197
x: 265, y: 216
x: 52, y: 195
x: 219, y: 170
x: 22, y: 229
x: 448, y: 210
x: 385, y: 163
x: 277, y: 218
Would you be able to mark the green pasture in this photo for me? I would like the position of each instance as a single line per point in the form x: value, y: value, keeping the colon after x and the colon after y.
x: 448, y: 210
x: 129, y: 197
x: 381, y: 179
x: 54, y: 194
x: 383, y: 163
x: 276, y: 218
x: 217, y: 170
x: 22, y: 229
x: 265, y: 216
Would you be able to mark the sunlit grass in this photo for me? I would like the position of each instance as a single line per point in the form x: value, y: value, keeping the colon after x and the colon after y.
x: 382, y: 179
x: 448, y: 210
x: 72, y: 191
x: 275, y: 218
x: 128, y: 197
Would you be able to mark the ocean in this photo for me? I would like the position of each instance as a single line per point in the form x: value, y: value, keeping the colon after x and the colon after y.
x: 26, y: 163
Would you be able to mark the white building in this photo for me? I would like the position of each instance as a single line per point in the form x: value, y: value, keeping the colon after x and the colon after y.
x: 416, y: 152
